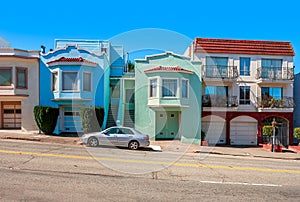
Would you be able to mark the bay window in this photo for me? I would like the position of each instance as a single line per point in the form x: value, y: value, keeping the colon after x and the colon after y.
x: 70, y: 81
x: 5, y: 76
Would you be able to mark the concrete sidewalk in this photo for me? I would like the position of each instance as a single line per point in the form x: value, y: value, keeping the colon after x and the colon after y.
x: 171, y: 146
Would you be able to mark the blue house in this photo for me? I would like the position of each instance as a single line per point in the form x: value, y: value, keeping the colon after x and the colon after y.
x: 77, y: 73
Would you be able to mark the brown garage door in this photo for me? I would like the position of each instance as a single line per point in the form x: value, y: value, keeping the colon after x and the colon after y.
x: 11, y: 115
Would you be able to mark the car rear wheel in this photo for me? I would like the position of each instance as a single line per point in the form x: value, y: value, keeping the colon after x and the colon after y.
x: 134, y: 145
x: 93, y: 142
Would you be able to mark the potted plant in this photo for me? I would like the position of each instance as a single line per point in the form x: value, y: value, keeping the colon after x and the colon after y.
x: 263, y: 103
x: 203, y: 141
x: 280, y: 103
x: 267, y: 131
x: 297, y: 133
x: 272, y: 102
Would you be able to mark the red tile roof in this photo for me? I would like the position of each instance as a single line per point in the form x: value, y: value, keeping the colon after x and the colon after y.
x: 248, y: 47
x: 168, y: 69
x: 71, y: 60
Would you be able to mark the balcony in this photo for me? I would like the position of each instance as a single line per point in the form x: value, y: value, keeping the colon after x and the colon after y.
x: 286, y: 103
x: 275, y: 73
x: 219, y: 101
x: 219, y: 72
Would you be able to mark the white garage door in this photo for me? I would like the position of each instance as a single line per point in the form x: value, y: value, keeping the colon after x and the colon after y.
x: 215, y: 129
x: 11, y: 115
x: 243, y: 133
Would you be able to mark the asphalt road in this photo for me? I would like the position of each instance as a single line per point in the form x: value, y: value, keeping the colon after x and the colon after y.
x: 49, y: 172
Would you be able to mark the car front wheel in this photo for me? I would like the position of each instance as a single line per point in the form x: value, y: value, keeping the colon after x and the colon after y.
x: 93, y: 142
x: 134, y: 145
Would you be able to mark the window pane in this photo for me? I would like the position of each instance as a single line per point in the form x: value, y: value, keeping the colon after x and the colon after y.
x: 169, y: 88
x: 245, y: 66
x: 87, y: 86
x: 5, y: 77
x: 185, y: 87
x: 245, y: 95
x: 216, y: 90
x: 21, y: 78
x: 70, y: 81
x: 55, y: 81
x: 268, y: 93
x: 153, y: 87
x: 271, y: 68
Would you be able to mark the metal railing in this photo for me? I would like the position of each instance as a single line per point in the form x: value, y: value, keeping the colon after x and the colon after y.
x: 275, y: 102
x: 220, y: 71
x: 275, y: 73
x: 219, y: 101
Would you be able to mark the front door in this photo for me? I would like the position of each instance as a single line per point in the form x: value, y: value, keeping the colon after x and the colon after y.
x: 167, y: 125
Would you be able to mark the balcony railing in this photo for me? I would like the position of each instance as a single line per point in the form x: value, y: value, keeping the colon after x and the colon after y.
x: 275, y: 73
x: 220, y: 71
x: 219, y: 101
x: 285, y: 102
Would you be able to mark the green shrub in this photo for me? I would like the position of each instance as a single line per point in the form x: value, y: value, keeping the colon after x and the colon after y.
x: 297, y: 133
x: 91, y: 118
x: 267, y: 130
x: 46, y: 118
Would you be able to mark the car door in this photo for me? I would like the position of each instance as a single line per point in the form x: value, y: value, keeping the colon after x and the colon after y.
x: 109, y: 137
x: 124, y: 136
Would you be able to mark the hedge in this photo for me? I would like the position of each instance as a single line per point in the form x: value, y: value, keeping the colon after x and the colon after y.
x: 91, y: 118
x: 46, y: 118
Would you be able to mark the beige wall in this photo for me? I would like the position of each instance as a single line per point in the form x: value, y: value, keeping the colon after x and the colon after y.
x: 28, y: 97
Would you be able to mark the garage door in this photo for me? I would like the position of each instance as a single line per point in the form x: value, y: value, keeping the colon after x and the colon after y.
x: 243, y: 133
x: 215, y: 129
x: 72, y: 121
x: 11, y: 112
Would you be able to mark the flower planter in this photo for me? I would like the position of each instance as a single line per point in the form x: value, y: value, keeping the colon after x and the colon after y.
x: 278, y: 148
x: 204, y: 143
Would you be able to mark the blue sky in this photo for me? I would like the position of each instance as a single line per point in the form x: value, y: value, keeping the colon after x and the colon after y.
x: 29, y: 24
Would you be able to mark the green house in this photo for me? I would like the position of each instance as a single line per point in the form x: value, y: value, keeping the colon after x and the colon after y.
x: 168, y: 97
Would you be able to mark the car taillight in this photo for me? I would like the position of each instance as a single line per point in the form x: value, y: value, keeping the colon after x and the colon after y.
x: 146, y: 137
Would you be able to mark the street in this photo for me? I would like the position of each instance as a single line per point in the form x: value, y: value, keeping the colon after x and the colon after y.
x: 52, y: 172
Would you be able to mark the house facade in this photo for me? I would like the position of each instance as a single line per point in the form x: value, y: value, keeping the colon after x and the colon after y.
x: 168, y: 97
x: 297, y: 102
x: 19, y: 88
x: 246, y: 84
x: 78, y: 73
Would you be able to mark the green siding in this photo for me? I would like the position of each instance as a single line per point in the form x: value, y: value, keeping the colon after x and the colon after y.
x: 188, y: 111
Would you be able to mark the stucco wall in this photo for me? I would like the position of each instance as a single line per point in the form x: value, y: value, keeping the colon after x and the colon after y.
x: 190, y: 109
x: 29, y: 97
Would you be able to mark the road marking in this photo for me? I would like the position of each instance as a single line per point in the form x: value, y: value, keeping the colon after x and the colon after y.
x: 270, y: 170
x: 240, y: 183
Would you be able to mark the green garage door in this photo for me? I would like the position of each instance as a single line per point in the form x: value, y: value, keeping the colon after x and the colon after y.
x: 167, y: 125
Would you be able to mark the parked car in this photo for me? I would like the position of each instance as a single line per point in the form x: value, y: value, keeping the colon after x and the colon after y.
x: 118, y: 136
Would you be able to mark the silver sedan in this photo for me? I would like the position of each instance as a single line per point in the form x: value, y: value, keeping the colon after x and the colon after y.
x: 117, y: 136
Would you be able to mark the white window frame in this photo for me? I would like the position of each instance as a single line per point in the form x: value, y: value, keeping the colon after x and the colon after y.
x: 90, y: 73
x: 52, y: 84
x: 78, y: 83
x: 177, y: 89
x: 149, y: 87
x: 187, y: 90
